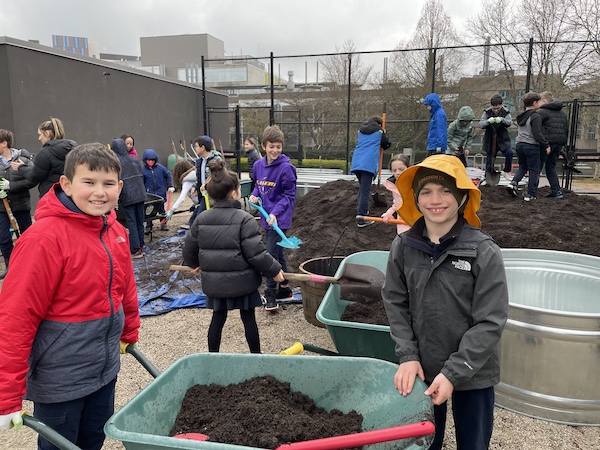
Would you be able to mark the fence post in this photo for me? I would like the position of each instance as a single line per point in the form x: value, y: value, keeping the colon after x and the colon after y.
x: 204, y: 111
x: 348, y: 112
x: 529, y: 58
x: 272, y: 110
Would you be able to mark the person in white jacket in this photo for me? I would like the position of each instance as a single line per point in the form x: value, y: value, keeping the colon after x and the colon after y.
x: 184, y: 178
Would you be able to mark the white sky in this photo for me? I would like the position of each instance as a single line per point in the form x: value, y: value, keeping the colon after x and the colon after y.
x: 246, y: 26
x: 251, y: 27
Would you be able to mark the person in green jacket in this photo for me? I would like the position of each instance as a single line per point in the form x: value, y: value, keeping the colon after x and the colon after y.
x: 460, y: 134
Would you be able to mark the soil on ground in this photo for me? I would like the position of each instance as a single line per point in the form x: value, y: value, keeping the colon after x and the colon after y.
x: 267, y: 414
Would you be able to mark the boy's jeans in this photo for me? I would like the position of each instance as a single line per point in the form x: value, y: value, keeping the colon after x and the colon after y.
x: 473, y: 413
x: 276, y: 251
x: 81, y: 420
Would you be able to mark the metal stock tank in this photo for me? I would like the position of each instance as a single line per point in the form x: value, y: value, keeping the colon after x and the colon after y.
x: 550, y: 348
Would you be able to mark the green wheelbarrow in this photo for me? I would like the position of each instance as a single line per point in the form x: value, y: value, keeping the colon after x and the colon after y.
x: 390, y: 421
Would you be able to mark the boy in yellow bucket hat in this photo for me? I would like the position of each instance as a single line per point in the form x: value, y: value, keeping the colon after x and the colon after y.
x: 446, y: 299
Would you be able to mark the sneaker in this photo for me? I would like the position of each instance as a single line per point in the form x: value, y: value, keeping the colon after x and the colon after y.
x: 528, y: 197
x: 139, y: 254
x: 270, y: 300
x: 556, y: 196
x: 184, y: 227
x: 164, y: 227
x: 365, y: 223
x: 507, y: 176
x: 284, y: 293
x: 512, y: 189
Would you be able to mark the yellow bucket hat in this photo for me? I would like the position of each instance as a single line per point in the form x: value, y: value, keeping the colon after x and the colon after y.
x: 449, y: 165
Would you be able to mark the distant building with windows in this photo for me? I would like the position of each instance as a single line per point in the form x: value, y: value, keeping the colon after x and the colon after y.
x: 76, y: 44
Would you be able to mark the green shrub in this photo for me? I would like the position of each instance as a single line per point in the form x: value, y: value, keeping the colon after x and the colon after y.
x: 306, y: 163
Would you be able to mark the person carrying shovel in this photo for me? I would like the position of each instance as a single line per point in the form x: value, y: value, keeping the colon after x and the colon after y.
x: 365, y: 162
x: 495, y: 121
x: 446, y: 298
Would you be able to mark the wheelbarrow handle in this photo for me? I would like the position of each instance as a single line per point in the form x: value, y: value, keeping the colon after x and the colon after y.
x: 366, y: 438
x: 48, y: 433
x: 310, y: 277
x: 145, y: 362
x: 379, y: 219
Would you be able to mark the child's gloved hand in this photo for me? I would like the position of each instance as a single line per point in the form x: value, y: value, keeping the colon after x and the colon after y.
x: 11, y: 420
x: 169, y: 214
x: 123, y: 346
x: 3, y: 194
x: 4, y: 184
x: 171, y: 189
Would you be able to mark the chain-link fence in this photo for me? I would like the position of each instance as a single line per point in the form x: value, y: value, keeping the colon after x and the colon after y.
x: 320, y: 100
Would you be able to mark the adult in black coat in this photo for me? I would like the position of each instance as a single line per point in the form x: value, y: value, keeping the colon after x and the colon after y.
x: 14, y: 189
x: 49, y: 162
x: 555, y: 126
x: 132, y: 198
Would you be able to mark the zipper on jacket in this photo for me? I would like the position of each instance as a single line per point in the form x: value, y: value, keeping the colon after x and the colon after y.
x: 110, y: 300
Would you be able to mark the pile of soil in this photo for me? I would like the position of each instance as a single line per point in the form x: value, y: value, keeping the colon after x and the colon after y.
x: 321, y: 216
x: 328, y: 213
x: 267, y: 414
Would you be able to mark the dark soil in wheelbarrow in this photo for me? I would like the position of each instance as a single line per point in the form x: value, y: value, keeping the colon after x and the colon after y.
x: 260, y: 412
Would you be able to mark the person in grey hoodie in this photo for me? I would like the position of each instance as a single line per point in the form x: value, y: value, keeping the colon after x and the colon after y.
x: 530, y: 141
x: 460, y: 134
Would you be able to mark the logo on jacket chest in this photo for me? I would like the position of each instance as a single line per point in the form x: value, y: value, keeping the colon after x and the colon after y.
x: 461, y: 264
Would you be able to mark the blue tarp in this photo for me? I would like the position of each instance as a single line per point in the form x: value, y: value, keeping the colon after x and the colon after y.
x: 173, y: 293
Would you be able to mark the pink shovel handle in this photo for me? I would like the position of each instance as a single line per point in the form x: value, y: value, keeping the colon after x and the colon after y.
x: 368, y: 437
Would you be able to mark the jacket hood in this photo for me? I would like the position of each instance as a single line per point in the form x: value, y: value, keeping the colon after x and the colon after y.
x: 370, y: 127
x: 434, y: 100
x: 280, y: 160
x: 448, y: 165
x: 118, y: 146
x: 554, y: 105
x: 465, y: 113
x: 522, y: 118
x: 149, y: 153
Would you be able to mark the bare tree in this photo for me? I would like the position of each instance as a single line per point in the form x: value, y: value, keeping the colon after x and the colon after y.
x: 413, y: 64
x: 511, y: 24
x: 336, y: 66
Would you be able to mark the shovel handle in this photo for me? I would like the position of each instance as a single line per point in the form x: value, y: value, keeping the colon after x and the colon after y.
x: 365, y: 438
x: 182, y: 268
x: 379, y: 219
x: 310, y: 277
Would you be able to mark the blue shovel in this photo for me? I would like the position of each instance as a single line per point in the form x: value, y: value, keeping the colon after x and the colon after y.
x: 292, y: 242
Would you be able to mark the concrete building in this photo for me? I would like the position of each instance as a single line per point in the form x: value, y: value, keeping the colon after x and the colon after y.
x: 99, y: 100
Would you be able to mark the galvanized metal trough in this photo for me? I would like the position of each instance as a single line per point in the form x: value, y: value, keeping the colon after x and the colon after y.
x: 550, y: 348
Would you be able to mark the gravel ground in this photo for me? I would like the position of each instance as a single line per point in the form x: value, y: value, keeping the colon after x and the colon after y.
x: 165, y: 339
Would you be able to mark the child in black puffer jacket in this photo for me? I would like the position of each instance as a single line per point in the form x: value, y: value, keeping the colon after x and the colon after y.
x: 225, y: 244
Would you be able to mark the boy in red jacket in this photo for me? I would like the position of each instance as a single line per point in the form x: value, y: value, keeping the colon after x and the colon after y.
x: 71, y: 301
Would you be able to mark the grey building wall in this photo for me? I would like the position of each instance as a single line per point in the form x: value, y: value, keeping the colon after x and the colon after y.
x: 97, y: 100
x: 177, y: 51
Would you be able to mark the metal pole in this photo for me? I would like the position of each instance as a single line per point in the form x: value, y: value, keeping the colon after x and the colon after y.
x: 238, y: 140
x: 272, y: 111
x: 348, y: 112
x: 433, y: 70
x: 204, y: 109
x: 529, y: 58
